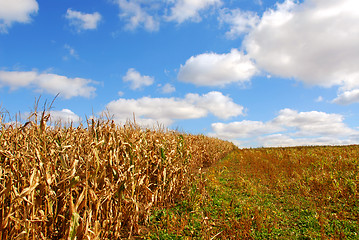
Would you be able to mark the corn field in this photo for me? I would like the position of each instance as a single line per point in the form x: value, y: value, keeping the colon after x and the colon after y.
x: 96, y: 182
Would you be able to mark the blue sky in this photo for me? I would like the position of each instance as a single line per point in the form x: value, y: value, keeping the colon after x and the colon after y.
x: 255, y: 72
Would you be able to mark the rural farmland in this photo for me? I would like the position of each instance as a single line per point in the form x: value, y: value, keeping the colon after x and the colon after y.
x: 179, y: 119
x: 104, y: 181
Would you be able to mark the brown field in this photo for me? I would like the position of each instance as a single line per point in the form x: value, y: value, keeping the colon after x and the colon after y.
x: 270, y: 193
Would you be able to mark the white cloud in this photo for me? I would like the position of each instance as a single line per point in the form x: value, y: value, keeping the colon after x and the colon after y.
x: 64, y: 116
x: 240, y: 22
x: 17, y: 79
x: 259, y: 2
x: 168, y: 88
x: 281, y: 140
x: 71, y: 52
x: 189, y: 9
x: 315, y: 41
x: 16, y: 11
x: 313, y: 123
x: 148, y: 110
x: 137, y: 80
x: 244, y: 129
x: 290, y: 128
x: 211, y: 69
x: 319, y: 99
x: 219, y: 105
x: 48, y: 82
x: 347, y: 97
x: 83, y: 21
x: 134, y: 12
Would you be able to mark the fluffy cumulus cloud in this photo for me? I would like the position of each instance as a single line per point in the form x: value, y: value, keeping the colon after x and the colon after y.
x: 313, y: 123
x: 290, y: 128
x: 48, y: 82
x: 64, y: 116
x: 17, y: 79
x: 136, y: 14
x: 347, y: 97
x: 240, y: 22
x: 149, y: 111
x: 211, y: 69
x: 83, y: 21
x: 168, y: 88
x: 243, y: 129
x: 137, y: 80
x: 189, y: 10
x: 215, y: 102
x: 12, y: 11
x: 314, y: 41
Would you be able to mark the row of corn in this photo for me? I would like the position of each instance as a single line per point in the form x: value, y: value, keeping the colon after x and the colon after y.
x: 96, y: 182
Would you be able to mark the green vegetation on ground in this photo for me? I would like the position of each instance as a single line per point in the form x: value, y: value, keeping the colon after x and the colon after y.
x: 269, y: 193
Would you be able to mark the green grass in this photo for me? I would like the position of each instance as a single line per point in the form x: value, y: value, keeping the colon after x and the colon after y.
x: 277, y: 193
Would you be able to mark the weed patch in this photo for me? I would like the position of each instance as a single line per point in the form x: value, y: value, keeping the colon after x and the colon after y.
x: 276, y: 193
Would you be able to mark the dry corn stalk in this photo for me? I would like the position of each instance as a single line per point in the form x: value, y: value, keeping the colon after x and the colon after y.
x: 99, y: 182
